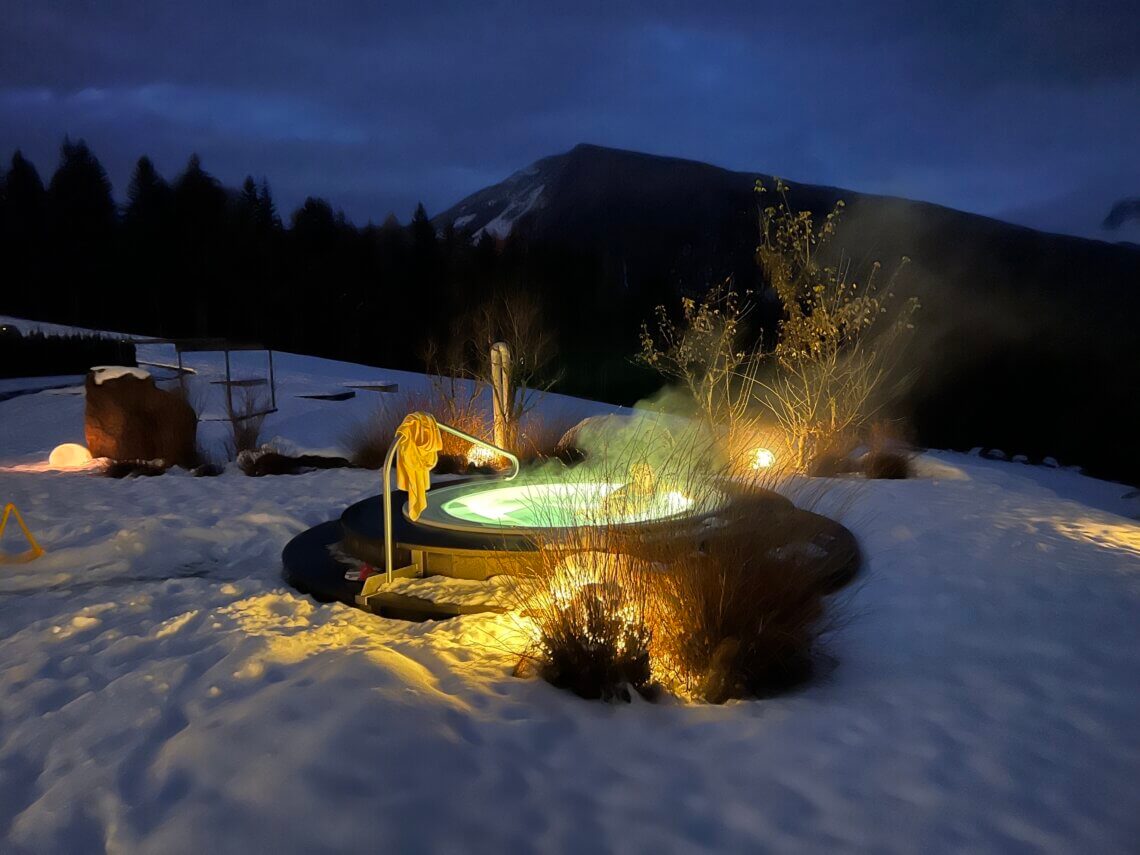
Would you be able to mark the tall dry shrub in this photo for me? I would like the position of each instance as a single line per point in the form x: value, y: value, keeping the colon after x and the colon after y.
x: 836, y: 358
x: 368, y: 440
x: 459, y: 403
x: 840, y: 335
x: 703, y: 353
x: 451, y: 401
x: 514, y: 317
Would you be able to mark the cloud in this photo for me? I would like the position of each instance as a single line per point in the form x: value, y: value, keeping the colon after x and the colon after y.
x: 201, y: 110
x: 379, y: 105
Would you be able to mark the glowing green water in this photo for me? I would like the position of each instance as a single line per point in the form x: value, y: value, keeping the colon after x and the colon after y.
x: 558, y: 506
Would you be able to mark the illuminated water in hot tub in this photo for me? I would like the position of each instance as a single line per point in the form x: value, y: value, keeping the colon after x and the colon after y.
x: 553, y: 505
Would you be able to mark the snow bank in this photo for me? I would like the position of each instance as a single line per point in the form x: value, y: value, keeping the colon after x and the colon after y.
x: 162, y: 691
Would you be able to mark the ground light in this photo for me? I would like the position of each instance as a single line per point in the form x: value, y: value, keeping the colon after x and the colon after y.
x: 762, y: 458
x: 480, y: 456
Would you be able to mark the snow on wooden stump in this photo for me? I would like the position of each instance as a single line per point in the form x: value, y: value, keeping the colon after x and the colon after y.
x: 127, y: 417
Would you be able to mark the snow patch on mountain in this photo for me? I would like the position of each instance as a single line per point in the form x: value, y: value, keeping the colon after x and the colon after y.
x: 501, y: 226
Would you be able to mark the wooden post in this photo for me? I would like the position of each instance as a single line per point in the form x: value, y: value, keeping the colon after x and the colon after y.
x: 500, y: 391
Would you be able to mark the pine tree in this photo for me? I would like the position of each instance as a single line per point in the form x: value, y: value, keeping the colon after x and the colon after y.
x: 266, y: 209
x: 423, y: 232
x: 26, y: 199
x: 82, y: 220
x: 199, y: 199
x: 200, y: 262
x: 148, y: 196
x: 22, y: 237
x: 79, y: 195
x: 315, y: 219
x: 248, y: 196
x: 147, y: 244
x: 245, y: 206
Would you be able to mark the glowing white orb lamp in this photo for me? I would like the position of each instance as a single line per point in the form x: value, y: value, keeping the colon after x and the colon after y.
x: 70, y: 455
x: 763, y: 459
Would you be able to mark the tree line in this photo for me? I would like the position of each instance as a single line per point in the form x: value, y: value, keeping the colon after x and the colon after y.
x: 190, y: 257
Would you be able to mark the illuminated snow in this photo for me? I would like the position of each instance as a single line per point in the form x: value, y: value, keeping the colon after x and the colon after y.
x: 103, y: 373
x: 558, y: 505
x: 162, y: 690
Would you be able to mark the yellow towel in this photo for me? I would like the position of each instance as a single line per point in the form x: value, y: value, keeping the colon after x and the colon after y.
x: 416, y: 455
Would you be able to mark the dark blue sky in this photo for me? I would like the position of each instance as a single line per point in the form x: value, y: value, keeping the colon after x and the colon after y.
x: 1028, y: 111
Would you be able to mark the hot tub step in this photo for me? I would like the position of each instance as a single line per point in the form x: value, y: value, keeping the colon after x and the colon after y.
x: 377, y: 580
x: 403, y: 607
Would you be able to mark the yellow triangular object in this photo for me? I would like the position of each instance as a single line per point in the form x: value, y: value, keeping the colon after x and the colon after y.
x: 28, y: 555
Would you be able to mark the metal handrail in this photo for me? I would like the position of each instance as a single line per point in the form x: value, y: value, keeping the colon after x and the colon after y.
x: 387, y: 477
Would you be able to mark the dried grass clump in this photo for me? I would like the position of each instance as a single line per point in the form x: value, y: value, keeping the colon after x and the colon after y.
x: 889, y: 454
x: 459, y: 407
x: 887, y: 465
x: 134, y: 468
x: 589, y: 614
x: 711, y: 608
x: 833, y: 461
x: 463, y: 368
x: 587, y: 598
x: 703, y: 352
x: 469, y: 414
x: 367, y: 441
x: 246, y: 417
x: 735, y: 618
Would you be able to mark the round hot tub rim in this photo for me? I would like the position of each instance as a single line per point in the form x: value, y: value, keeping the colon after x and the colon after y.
x: 436, y: 517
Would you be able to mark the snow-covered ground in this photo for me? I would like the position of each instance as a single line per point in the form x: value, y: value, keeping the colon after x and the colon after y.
x: 162, y: 691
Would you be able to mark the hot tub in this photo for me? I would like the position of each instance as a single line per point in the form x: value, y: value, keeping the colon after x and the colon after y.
x: 477, y: 528
x: 480, y: 528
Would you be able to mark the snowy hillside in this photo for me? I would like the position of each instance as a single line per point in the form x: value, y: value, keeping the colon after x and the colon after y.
x: 162, y: 691
x: 496, y: 209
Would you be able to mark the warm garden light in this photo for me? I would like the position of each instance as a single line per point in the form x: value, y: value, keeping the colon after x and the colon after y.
x: 762, y: 458
x: 70, y: 455
x: 480, y: 456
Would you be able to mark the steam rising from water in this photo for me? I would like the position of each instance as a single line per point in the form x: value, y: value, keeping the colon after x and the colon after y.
x: 659, y: 436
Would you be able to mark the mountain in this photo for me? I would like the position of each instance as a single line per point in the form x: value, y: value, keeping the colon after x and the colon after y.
x: 1122, y: 212
x: 693, y: 223
x: 1025, y: 338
